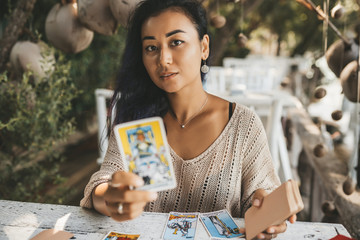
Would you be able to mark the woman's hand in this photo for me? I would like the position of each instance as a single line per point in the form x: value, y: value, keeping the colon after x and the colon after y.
x: 121, y: 201
x: 272, y: 231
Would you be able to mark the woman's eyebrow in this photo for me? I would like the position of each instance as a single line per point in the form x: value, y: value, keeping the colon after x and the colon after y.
x: 167, y: 34
x: 174, y: 32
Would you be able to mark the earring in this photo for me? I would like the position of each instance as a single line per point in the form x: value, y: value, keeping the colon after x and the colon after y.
x: 204, y: 68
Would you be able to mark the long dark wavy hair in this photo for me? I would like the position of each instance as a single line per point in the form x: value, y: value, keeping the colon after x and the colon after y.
x: 136, y: 96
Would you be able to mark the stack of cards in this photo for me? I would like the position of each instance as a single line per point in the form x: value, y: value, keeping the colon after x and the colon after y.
x: 275, y: 209
x: 144, y: 149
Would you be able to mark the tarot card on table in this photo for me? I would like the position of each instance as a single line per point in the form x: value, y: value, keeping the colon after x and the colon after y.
x: 145, y: 151
x: 220, y: 224
x: 181, y: 226
x: 121, y: 236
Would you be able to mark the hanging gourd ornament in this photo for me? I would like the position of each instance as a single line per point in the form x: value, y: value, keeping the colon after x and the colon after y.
x: 337, y: 11
x: 348, y: 186
x: 349, y: 81
x: 320, y: 93
x: 320, y: 150
x: 329, y: 209
x: 217, y: 21
x: 97, y: 16
x: 336, y: 115
x: 64, y: 30
x: 122, y: 9
x: 29, y: 56
x: 340, y: 54
x: 242, y: 40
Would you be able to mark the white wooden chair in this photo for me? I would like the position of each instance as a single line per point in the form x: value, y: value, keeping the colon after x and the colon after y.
x: 258, y: 74
x: 101, y: 110
x: 216, y: 81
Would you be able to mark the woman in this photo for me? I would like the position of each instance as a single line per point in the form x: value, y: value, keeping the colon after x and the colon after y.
x: 219, y: 149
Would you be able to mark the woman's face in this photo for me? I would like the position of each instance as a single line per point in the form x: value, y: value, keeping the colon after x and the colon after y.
x: 172, y: 51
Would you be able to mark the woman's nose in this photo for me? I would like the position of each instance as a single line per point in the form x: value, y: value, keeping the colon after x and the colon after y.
x: 165, y: 57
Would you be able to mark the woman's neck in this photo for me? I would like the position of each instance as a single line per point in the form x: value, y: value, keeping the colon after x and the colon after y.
x: 186, y: 104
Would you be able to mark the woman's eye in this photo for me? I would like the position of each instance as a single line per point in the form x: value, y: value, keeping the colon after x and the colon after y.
x: 176, y: 42
x: 150, y: 48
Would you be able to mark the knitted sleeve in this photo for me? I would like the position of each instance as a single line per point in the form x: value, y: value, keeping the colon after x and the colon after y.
x: 112, y: 163
x: 257, y: 166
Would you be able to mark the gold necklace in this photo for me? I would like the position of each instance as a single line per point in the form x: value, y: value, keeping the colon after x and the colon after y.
x: 182, y: 125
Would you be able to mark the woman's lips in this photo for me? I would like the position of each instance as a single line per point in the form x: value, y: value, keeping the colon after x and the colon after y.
x: 167, y: 76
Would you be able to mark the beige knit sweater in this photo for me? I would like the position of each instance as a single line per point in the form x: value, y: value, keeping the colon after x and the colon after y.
x: 225, y: 175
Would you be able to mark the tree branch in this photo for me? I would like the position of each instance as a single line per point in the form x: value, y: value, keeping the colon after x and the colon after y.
x: 14, y: 28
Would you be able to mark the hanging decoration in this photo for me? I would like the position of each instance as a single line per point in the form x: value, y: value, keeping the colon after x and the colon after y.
x: 97, y: 16
x: 320, y: 93
x: 28, y: 56
x: 337, y: 11
x: 217, y: 20
x: 242, y: 39
x: 340, y: 54
x: 122, y: 9
x: 348, y: 186
x: 336, y: 115
x: 64, y: 30
x: 349, y: 81
x: 320, y: 150
x: 343, y: 59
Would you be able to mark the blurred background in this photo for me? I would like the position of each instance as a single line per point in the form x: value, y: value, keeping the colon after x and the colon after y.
x: 59, y: 61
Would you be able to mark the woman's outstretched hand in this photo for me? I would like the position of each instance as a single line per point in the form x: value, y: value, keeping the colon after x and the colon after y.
x: 272, y: 231
x: 122, y: 203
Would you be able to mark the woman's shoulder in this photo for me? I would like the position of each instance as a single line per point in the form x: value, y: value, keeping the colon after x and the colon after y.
x: 219, y: 101
x: 238, y: 110
x: 243, y: 111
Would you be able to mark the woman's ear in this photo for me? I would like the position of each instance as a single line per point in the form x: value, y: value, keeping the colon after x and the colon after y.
x: 205, y: 47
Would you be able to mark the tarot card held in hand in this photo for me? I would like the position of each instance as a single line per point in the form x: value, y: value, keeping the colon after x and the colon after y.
x: 145, y: 152
x: 220, y: 224
x: 121, y: 236
x: 181, y: 226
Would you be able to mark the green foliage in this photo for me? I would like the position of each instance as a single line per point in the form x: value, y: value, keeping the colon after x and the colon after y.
x: 96, y: 67
x: 34, y: 118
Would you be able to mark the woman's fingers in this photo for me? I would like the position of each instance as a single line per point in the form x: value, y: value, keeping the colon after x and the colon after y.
x: 121, y: 178
x: 258, y: 197
x: 127, y: 208
x: 273, y: 231
x: 124, y: 195
x: 266, y: 236
x: 276, y: 229
x: 125, y: 216
x: 292, y: 218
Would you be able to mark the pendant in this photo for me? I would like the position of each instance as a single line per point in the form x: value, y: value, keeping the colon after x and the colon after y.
x: 182, y: 126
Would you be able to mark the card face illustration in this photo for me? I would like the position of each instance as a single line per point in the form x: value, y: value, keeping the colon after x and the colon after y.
x: 145, y: 152
x: 181, y: 226
x: 220, y: 224
x: 121, y: 236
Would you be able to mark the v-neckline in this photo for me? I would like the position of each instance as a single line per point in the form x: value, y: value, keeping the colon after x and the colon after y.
x: 211, y: 146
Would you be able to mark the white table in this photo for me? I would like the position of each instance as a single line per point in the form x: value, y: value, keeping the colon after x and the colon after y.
x: 20, y: 220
